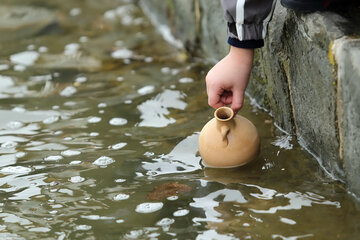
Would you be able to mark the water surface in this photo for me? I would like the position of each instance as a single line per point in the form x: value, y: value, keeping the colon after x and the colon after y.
x: 99, y: 121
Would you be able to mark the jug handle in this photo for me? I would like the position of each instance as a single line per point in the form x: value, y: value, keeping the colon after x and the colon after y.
x: 224, y: 130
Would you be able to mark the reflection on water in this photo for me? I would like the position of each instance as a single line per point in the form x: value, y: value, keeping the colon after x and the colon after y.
x: 99, y: 123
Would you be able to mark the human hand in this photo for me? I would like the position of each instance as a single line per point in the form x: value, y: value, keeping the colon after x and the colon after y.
x: 227, y: 80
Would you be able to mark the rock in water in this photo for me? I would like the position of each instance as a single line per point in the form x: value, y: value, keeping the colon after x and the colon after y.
x: 17, y: 22
x: 168, y: 189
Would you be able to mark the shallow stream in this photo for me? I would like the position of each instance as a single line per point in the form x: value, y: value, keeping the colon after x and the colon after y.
x: 99, y: 120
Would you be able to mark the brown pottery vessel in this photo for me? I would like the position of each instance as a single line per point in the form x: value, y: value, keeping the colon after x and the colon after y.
x: 228, y: 140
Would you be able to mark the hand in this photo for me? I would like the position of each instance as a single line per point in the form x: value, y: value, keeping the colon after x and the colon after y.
x: 226, y: 82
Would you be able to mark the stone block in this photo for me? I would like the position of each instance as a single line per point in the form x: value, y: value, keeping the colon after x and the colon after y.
x: 347, y: 55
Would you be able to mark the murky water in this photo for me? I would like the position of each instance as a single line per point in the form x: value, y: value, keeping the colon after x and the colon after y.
x: 99, y: 120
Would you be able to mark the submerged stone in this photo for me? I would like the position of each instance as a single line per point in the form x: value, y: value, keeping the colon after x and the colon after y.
x: 168, y: 189
x: 17, y: 22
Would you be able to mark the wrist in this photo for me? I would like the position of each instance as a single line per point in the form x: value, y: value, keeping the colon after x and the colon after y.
x: 243, y: 55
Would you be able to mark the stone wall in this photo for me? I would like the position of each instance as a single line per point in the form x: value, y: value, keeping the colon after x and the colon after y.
x: 307, y: 74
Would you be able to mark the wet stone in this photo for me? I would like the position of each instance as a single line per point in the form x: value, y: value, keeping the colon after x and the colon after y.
x: 20, y: 21
x: 167, y: 190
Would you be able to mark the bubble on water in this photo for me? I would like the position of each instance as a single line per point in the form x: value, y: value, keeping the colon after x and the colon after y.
x: 103, y: 161
x: 70, y: 103
x: 83, y: 39
x: 102, y: 105
x: 94, y: 119
x: 122, y: 53
x: 83, y: 227
x: 76, y: 162
x: 26, y: 58
x: 165, y: 70
x: 68, y: 138
x: 71, y: 49
x: 149, y: 207
x: 77, y: 179
x: 94, y: 134
x: 91, y: 217
x: 53, y: 212
x: 186, y: 80
x: 75, y: 12
x: 51, y: 119
x: 172, y: 198
x: 55, y: 107
x: 101, y: 111
x: 120, y: 180
x: 118, y: 121
x: 128, y: 101
x: 40, y: 229
x: 120, y: 79
x: 69, y: 153
x: 43, y: 49
x: 118, y: 145
x: 9, y: 144
x: 148, y: 59
x: 149, y: 154
x: 121, y: 196
x: 81, y: 79
x: 56, y: 206
x: 53, y: 158
x: 165, y: 222
x: 19, y: 68
x: 146, y: 90
x: 181, y: 213
x: 15, y: 170
x: 68, y: 91
x: 119, y: 221
x: 246, y: 224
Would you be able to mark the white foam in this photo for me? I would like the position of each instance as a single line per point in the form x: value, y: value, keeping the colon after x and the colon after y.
x: 102, y: 105
x: 71, y: 49
x: 122, y: 53
x: 68, y: 91
x: 118, y: 121
x: 181, y: 213
x: 149, y: 207
x: 165, y: 222
x: 77, y: 179
x: 186, y: 80
x: 69, y: 153
x: 121, y: 196
x: 146, y: 90
x: 83, y: 227
x: 51, y: 119
x: 14, y: 125
x: 15, y: 170
x: 81, y: 79
x: 40, y: 229
x: 26, y: 58
x: 120, y: 180
x: 118, y: 145
x: 287, y: 221
x: 76, y: 162
x: 53, y: 158
x: 94, y: 119
x: 103, y: 161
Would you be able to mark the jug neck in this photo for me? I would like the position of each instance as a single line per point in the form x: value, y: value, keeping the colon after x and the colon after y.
x: 224, y: 116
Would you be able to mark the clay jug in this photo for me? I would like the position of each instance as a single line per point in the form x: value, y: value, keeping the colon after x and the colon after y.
x: 228, y: 140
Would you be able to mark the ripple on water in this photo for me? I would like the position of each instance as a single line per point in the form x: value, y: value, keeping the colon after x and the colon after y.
x: 149, y: 207
x: 103, y: 161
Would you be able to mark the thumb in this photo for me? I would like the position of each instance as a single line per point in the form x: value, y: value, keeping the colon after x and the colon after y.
x: 237, y: 100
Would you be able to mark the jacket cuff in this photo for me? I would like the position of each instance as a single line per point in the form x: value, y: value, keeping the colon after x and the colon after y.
x: 249, y: 44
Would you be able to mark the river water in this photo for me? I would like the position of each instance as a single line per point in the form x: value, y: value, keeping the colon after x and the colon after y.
x: 99, y: 120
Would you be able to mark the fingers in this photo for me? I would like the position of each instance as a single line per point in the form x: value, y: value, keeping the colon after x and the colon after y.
x: 237, y: 100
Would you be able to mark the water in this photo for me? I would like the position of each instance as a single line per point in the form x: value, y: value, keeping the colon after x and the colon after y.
x: 99, y: 120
